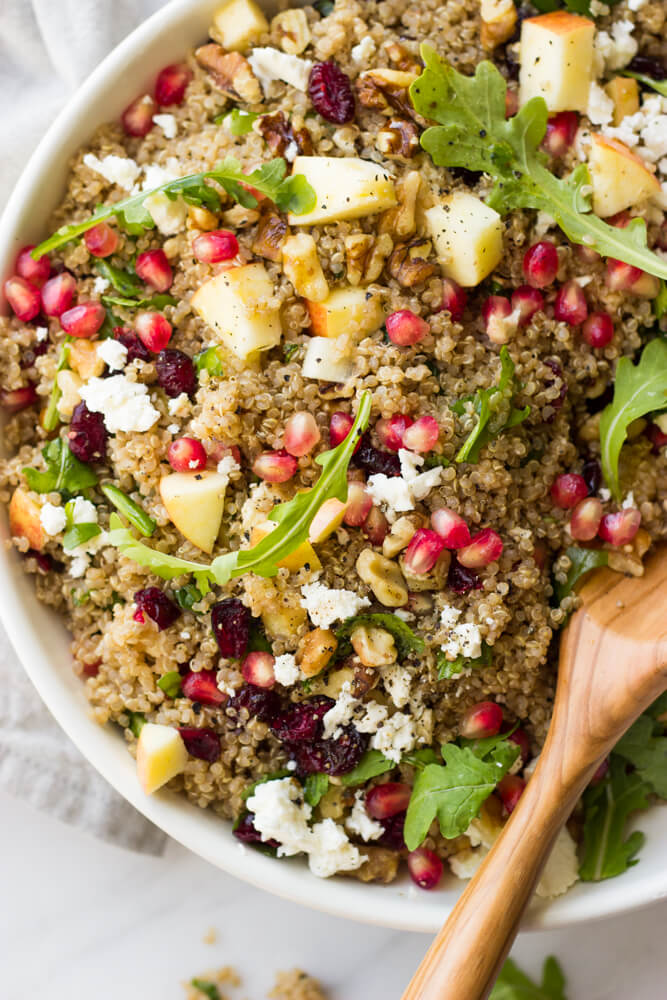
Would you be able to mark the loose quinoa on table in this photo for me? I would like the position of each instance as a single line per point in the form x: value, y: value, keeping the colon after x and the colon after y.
x: 276, y: 677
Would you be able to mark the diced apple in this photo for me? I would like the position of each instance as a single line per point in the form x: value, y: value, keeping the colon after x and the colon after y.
x: 619, y: 177
x: 346, y: 188
x: 327, y: 361
x: 327, y: 520
x: 283, y: 621
x: 161, y: 755
x: 239, y: 24
x: 194, y: 502
x: 24, y: 520
x: 301, y: 264
x: 304, y: 555
x: 236, y: 304
x: 84, y: 359
x: 467, y: 236
x: 346, y: 310
x: 624, y: 92
x: 557, y: 60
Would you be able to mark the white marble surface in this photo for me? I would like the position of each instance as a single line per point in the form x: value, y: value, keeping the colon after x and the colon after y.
x: 82, y: 919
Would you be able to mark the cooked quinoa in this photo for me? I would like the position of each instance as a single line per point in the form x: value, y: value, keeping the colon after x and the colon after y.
x: 500, y: 618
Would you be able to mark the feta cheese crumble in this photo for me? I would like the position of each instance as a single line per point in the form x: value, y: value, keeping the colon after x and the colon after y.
x: 113, y: 353
x: 326, y: 605
x: 177, y: 406
x: 168, y: 124
x: 397, y: 683
x: 616, y: 50
x: 398, y: 494
x: 600, y: 108
x: 100, y: 285
x: 227, y: 466
x: 118, y: 170
x: 41, y: 333
x: 125, y: 406
x: 53, y: 519
x: 269, y: 64
x: 363, y: 50
x: 366, y: 717
x: 395, y: 736
x: 83, y: 511
x: 461, y: 640
x: 286, y: 670
x: 360, y: 823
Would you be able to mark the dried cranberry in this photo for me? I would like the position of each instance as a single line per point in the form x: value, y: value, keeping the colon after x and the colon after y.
x: 87, y: 435
x: 201, y: 743
x: 175, y: 372
x: 392, y: 838
x: 330, y: 91
x: 460, y: 579
x: 136, y: 350
x: 657, y: 438
x: 261, y: 703
x: 44, y: 561
x: 245, y: 832
x: 331, y: 756
x: 154, y: 602
x: 302, y: 721
x: 591, y: 472
x: 648, y: 66
x: 230, y: 620
x: 373, y: 460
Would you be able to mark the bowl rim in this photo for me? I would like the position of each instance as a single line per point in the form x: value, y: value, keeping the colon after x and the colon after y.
x: 199, y: 830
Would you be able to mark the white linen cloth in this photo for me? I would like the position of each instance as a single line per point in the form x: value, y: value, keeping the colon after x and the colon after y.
x: 47, y: 48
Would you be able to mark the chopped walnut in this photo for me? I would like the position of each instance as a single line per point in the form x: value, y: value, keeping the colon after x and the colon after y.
x: 401, y: 58
x: 202, y: 218
x: 499, y: 19
x: 290, y: 29
x: 409, y: 263
x: 239, y: 217
x: 282, y: 139
x: 400, y: 221
x: 302, y: 267
x: 230, y: 72
x: 366, y: 256
x: 365, y: 679
x: 398, y: 138
x: 385, y: 89
x: 271, y: 234
x: 630, y: 558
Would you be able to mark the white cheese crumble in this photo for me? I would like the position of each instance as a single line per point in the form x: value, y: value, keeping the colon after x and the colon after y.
x: 395, y: 736
x: 41, y: 333
x: 616, y: 50
x: 543, y: 223
x: 177, y: 406
x: 461, y: 640
x: 326, y: 605
x: 168, y: 214
x: 360, y: 823
x: 645, y: 131
x: 52, y: 519
x: 604, y: 494
x: 600, y: 108
x: 227, y: 466
x: 173, y: 428
x: 269, y: 64
x: 397, y: 682
x: 113, y: 353
x: 286, y: 670
x: 629, y: 501
x: 100, y: 285
x: 398, y: 494
x: 78, y: 566
x: 363, y: 50
x: 168, y: 124
x: 83, y: 511
x: 125, y: 406
x: 636, y: 5
x: 366, y: 717
x: 118, y: 170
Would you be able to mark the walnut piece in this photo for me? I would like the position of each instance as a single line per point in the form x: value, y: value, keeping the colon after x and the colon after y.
x: 366, y: 256
x: 499, y: 19
x: 629, y: 559
x: 282, y: 139
x: 384, y: 89
x: 398, y: 138
x: 230, y: 72
x: 401, y: 221
x: 409, y: 263
x: 401, y: 58
x: 271, y: 235
x: 290, y: 29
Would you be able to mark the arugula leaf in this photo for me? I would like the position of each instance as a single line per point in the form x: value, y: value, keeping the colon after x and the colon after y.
x: 370, y: 766
x: 660, y: 301
x: 123, y: 281
x: 583, y: 561
x: 452, y: 668
x: 645, y: 747
x: 206, y: 987
x: 156, y: 302
x: 420, y: 758
x: 289, y: 349
x: 209, y: 360
x: 293, y: 194
x: 187, y: 596
x: 129, y: 509
x: 51, y: 417
x: 237, y: 121
x: 607, y: 807
x: 257, y: 641
x: 170, y: 683
x: 659, y: 85
x: 474, y: 133
x: 64, y: 474
x: 79, y: 534
x: 315, y: 786
x: 493, y: 416
x: 513, y: 984
x: 136, y: 723
x: 406, y: 640
x: 638, y: 389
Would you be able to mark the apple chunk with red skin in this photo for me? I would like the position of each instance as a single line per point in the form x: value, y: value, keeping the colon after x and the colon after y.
x: 24, y: 519
x: 620, y: 179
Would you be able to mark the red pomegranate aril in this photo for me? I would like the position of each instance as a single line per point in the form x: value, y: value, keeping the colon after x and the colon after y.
x: 83, y: 320
x: 275, y: 466
x: 520, y: 737
x: 15, y: 400
x: 101, y: 240
x: 201, y: 743
x: 570, y: 305
x: 23, y: 297
x: 510, y: 789
x: 186, y: 454
x: 423, y: 551
x: 495, y: 310
x: 586, y: 255
x: 527, y: 300
x: 216, y: 246
x: 454, y: 299
x: 202, y: 686
x: 598, y: 330
x: 568, y: 489
x: 422, y: 435
x: 358, y: 507
x: 58, y: 294
x: 601, y: 772
x: 340, y: 426
x: 257, y: 669
x: 485, y: 547
x: 540, y: 264
x: 383, y: 801
x: 425, y: 868
x: 171, y: 84
x: 585, y: 520
x: 153, y: 267
x: 153, y: 330
x: 451, y: 527
x: 137, y: 119
x: 620, y: 528
x: 34, y: 271
x: 481, y: 720
x: 331, y: 93
x: 376, y: 526
x: 390, y: 431
x: 657, y: 437
x: 620, y: 276
x: 301, y: 434
x: 405, y: 328
x: 561, y: 130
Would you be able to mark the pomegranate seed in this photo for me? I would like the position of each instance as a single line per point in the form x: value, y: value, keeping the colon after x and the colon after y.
x: 454, y: 299
x: 495, y: 311
x: 153, y: 330
x: 230, y: 620
x: 213, y: 247
x: 34, y: 271
x: 154, y: 602
x: 485, y: 547
x: 561, y: 130
x: 384, y: 801
x: 391, y: 431
x: 591, y: 471
x: 23, y: 297
x: 527, y: 301
x: 601, y: 772
x: 171, y: 84
x: 257, y: 669
x: 275, y: 466
x: 376, y: 526
x: 510, y: 789
x: 175, y: 373
x: 137, y: 119
x: 620, y: 528
x: 218, y: 450
x: 568, y: 489
x: 153, y: 267
x: 621, y: 220
x: 598, y: 330
x: 540, y: 264
x: 204, y: 744
x: 83, y: 320
x: 520, y: 737
x: 58, y: 294
x: 657, y: 437
x: 423, y: 551
x: 422, y: 436
x: 340, y: 426
x: 101, y: 240
x: 301, y: 434
x: 425, y: 868
x: 358, y: 505
x: 585, y: 519
x: 187, y: 455
x: 202, y: 686
x: 405, y: 328
x: 620, y: 276
x: 87, y: 435
x: 570, y: 305
x: 15, y: 400
x: 330, y: 91
x: 481, y: 720
x: 451, y: 527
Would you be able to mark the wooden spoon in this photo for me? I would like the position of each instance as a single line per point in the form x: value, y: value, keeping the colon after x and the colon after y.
x: 613, y: 665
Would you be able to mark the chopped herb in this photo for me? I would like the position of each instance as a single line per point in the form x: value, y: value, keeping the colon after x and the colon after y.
x: 170, y: 683
x: 129, y: 509
x: 187, y: 596
x: 156, y: 302
x: 323, y: 7
x: 257, y: 641
x: 432, y: 460
x: 79, y: 597
x: 126, y: 283
x: 290, y: 349
x: 660, y: 301
x: 136, y: 723
x: 315, y: 787
x: 513, y: 984
x: 645, y: 747
x: 406, y: 640
x: 64, y: 474
x: 495, y: 411
x: 79, y: 534
x: 371, y: 764
x: 658, y: 85
x: 115, y: 599
x: 206, y: 987
x: 420, y: 758
x: 51, y: 417
x: 607, y: 807
x: 583, y: 561
x: 208, y: 360
x: 237, y: 122
x: 452, y: 668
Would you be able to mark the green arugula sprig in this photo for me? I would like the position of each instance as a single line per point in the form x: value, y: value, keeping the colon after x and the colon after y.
x: 129, y: 509
x: 51, y: 417
x: 315, y: 787
x: 290, y: 194
x: 237, y: 121
x: 474, y: 133
x: 495, y: 411
x: 406, y: 640
x: 513, y: 984
x: 452, y: 668
x: 576, y: 6
x: 64, y: 473
x: 170, y: 683
x: 124, y: 282
x: 206, y: 987
x: 156, y: 302
x: 209, y: 360
x: 582, y: 562
x: 372, y: 764
x: 658, y: 85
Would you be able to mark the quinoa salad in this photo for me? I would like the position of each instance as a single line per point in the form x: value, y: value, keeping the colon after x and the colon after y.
x: 344, y: 365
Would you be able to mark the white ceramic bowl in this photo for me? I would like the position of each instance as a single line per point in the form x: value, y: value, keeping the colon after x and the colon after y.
x: 43, y: 645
